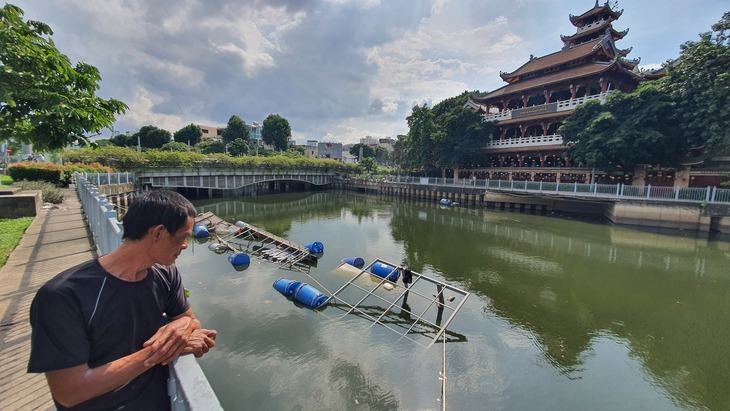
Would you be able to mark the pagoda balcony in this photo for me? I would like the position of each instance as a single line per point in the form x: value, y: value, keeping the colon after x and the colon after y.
x: 557, y: 106
x: 534, y: 141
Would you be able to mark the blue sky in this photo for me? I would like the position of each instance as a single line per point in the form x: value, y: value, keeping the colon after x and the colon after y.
x: 337, y: 70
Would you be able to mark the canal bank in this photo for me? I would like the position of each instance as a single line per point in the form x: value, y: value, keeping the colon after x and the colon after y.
x: 618, y: 209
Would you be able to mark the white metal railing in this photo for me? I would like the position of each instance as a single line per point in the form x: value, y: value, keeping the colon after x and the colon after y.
x: 105, y: 179
x: 553, y: 139
x: 610, y: 191
x: 188, y: 387
x: 563, y: 105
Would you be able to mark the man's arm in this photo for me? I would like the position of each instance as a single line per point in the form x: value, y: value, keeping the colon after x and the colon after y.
x: 170, y: 340
x: 74, y: 385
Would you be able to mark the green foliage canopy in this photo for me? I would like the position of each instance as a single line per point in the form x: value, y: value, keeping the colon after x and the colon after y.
x: 276, y: 132
x: 151, y: 137
x: 44, y: 100
x: 700, y: 86
x: 236, y: 129
x: 628, y: 129
x: 190, y: 134
x: 367, y: 151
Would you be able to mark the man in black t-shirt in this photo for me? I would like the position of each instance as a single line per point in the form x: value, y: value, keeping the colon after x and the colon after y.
x: 105, y: 331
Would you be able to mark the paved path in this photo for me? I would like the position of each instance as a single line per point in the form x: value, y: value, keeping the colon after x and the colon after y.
x: 57, y: 239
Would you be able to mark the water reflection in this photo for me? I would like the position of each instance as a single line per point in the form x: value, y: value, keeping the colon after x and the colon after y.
x: 623, y: 318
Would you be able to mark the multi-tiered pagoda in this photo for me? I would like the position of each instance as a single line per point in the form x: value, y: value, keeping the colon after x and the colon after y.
x: 542, y: 92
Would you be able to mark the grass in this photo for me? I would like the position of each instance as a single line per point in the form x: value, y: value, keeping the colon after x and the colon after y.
x: 5, y: 180
x: 11, y: 230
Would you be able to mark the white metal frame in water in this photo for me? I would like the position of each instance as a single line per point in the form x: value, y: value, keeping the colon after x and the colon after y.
x: 380, y: 315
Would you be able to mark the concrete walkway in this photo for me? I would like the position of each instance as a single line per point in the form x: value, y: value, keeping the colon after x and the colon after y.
x: 56, y: 240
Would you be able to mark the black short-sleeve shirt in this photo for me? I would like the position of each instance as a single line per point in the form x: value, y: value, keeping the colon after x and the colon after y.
x: 85, y: 315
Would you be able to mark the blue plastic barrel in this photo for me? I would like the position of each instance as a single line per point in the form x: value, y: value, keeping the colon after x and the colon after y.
x: 315, y: 247
x: 354, y: 261
x: 383, y: 270
x: 309, y: 296
x: 286, y: 287
x: 239, y: 259
x: 201, y: 231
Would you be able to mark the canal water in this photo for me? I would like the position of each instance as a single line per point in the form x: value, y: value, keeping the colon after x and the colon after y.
x: 563, y: 314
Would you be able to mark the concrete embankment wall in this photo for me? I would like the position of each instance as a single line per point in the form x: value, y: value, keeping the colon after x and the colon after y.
x: 686, y: 216
x: 669, y: 215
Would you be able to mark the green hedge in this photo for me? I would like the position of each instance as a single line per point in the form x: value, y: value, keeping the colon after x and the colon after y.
x: 58, y: 175
x: 128, y: 159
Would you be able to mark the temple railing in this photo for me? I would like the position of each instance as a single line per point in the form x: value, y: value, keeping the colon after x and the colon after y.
x: 562, y: 105
x: 533, y: 141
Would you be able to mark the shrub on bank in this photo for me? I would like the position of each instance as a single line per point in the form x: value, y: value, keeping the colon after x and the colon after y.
x: 31, y: 171
x: 58, y: 175
x: 49, y: 192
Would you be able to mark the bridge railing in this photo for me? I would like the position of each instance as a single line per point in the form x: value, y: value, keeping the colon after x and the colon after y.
x: 105, y: 179
x: 188, y: 388
x: 608, y: 191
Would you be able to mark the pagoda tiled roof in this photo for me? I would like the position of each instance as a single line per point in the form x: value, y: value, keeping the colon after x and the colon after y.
x: 576, y: 20
x: 576, y: 72
x: 554, y: 59
x: 601, y: 28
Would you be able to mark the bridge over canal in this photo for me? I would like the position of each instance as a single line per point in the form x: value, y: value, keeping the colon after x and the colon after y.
x: 225, y: 182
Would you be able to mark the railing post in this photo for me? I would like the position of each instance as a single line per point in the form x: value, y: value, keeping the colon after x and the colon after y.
x: 622, y: 189
x: 707, y: 195
x: 541, y: 186
x: 648, y: 191
x: 714, y: 194
x: 676, y: 193
x: 512, y: 184
x: 619, y: 186
x: 575, y: 188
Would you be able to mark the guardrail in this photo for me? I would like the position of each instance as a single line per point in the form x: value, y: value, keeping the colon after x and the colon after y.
x: 608, y: 191
x: 187, y: 386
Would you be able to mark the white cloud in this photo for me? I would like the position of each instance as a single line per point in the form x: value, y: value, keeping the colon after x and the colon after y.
x: 336, y: 69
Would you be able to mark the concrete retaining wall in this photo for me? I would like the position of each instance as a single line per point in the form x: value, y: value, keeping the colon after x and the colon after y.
x: 21, y: 204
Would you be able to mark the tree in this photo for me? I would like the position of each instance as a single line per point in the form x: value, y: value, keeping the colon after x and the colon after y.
x: 366, y: 165
x: 628, y: 129
x: 175, y: 146
x: 460, y: 133
x: 419, y: 142
x: 190, y: 134
x: 237, y: 147
x: 700, y: 86
x: 367, y: 151
x: 122, y: 140
x: 235, y: 129
x: 209, y: 146
x: 151, y: 137
x: 276, y: 132
x: 381, y: 155
x: 44, y: 100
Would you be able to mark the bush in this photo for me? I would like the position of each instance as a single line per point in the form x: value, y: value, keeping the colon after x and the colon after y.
x: 49, y: 192
x: 29, y: 171
x: 55, y: 174
x: 127, y: 159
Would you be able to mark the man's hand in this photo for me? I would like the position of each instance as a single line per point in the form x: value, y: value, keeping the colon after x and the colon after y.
x: 170, y: 340
x: 200, y: 342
